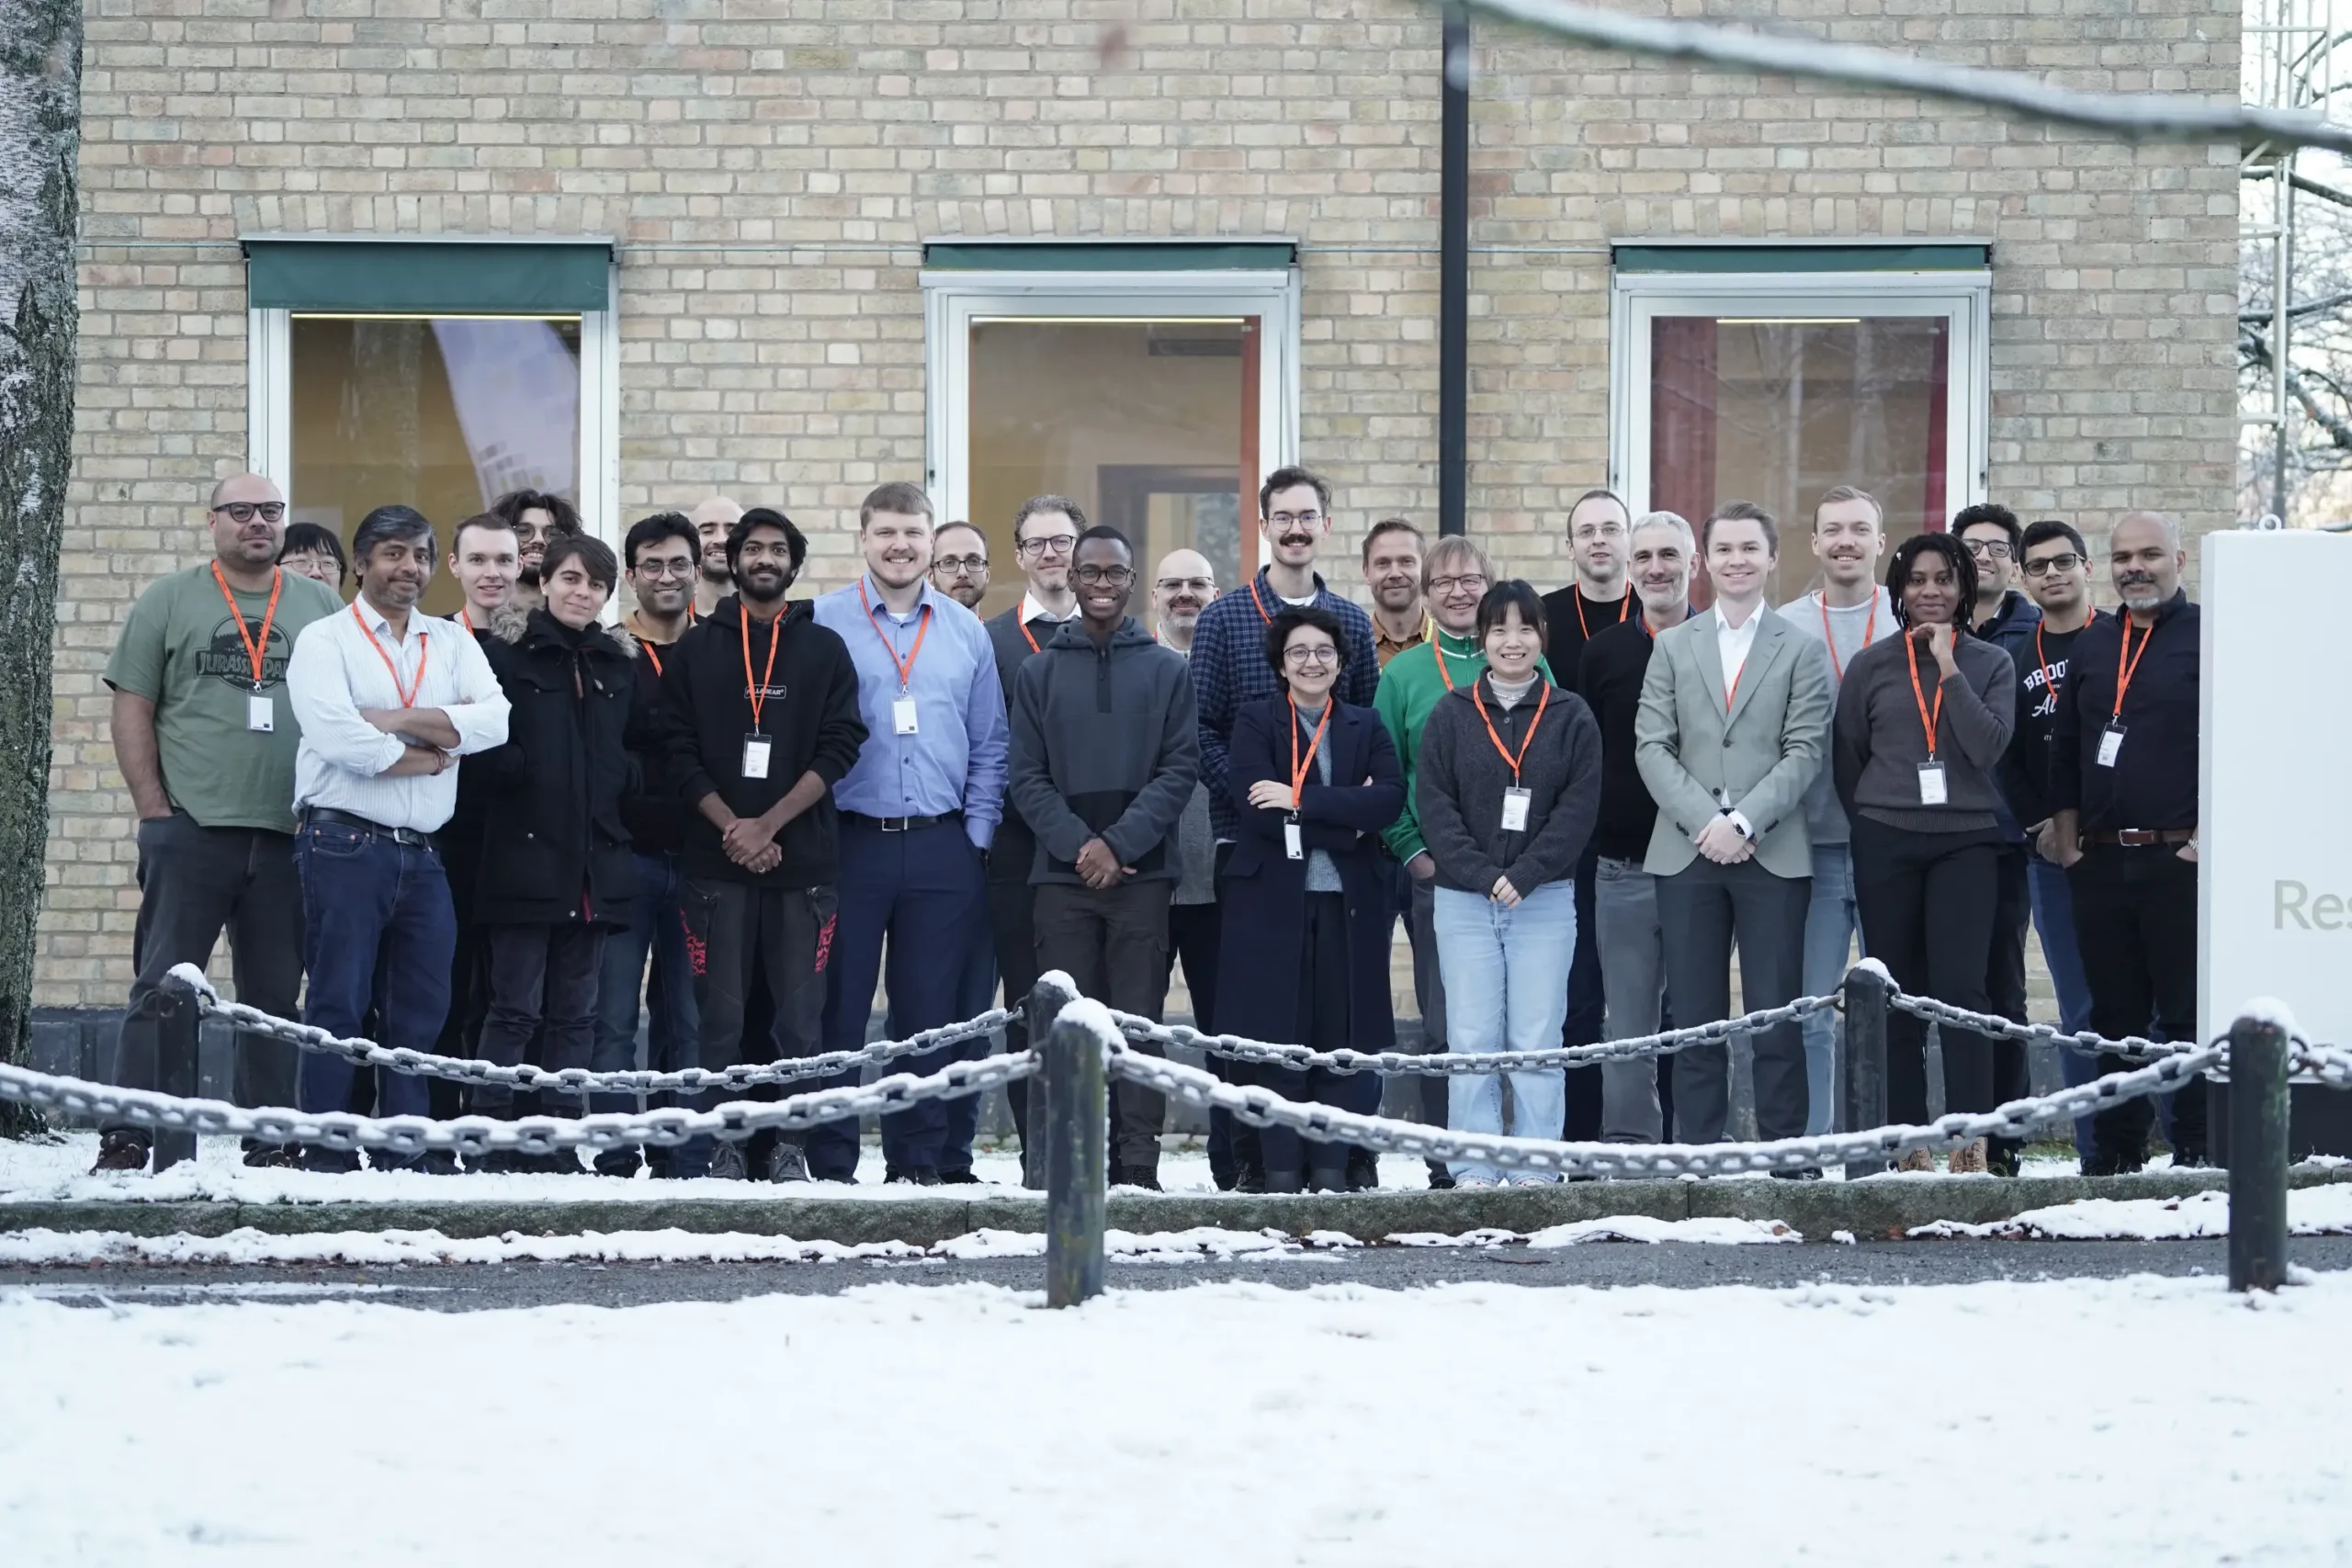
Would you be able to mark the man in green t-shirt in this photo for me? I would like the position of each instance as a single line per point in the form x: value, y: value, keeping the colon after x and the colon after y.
x: 204, y: 738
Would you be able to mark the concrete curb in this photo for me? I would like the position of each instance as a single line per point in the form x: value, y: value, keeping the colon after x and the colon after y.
x: 1871, y: 1209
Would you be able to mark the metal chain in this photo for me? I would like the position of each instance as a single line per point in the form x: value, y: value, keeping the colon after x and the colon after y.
x: 2330, y: 1064
x: 2088, y: 1041
x: 579, y: 1080
x: 529, y: 1135
x: 1260, y: 1108
x: 1443, y: 1063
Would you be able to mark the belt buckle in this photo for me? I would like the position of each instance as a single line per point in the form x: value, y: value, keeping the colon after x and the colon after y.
x: 894, y: 824
x: 2138, y: 838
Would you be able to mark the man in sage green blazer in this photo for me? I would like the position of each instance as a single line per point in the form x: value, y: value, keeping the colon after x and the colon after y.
x: 1734, y: 725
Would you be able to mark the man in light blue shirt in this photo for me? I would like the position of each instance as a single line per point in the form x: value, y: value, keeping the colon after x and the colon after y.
x: 918, y: 811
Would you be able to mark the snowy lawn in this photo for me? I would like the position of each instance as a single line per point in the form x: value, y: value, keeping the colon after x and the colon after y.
x: 2310, y: 1210
x: 2086, y: 1422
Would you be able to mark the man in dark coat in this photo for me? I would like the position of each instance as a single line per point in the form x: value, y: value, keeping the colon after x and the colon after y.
x: 554, y: 858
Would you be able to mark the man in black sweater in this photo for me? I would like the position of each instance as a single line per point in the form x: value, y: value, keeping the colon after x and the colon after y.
x: 2124, y: 779
x: 760, y: 721
x: 1631, y: 945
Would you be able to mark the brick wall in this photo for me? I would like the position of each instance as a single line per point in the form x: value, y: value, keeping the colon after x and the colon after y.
x: 772, y: 167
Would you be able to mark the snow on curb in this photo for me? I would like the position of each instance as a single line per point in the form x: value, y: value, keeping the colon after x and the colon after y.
x: 2310, y: 1210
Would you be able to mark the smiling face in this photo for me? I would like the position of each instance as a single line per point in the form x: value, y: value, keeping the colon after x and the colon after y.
x: 1989, y: 544
x: 1456, y: 584
x: 2144, y: 562
x: 1310, y: 665
x: 248, y: 523
x: 1659, y: 561
x: 1295, y: 526
x: 1931, y: 593
x: 896, y: 547
x: 1183, y: 587
x: 2057, y: 576
x: 1597, y: 530
x: 485, y: 563
x: 763, y: 565
x: 959, y: 564
x: 394, y: 571
x: 1044, y: 541
x: 1393, y: 570
x: 662, y: 577
x: 1103, y: 572
x: 1847, y: 540
x: 319, y: 565
x: 713, y: 520
x: 532, y: 529
x: 1740, y: 558
x: 573, y: 597
x: 1513, y: 645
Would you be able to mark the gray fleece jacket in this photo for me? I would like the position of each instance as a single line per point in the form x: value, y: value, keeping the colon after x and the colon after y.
x: 1877, y: 741
x: 1105, y: 743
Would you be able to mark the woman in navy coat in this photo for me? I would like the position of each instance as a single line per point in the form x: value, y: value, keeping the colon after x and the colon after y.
x: 1306, y: 911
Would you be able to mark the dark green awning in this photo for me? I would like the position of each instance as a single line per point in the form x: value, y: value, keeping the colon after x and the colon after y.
x: 1804, y: 258
x: 436, y: 278
x: 1106, y: 257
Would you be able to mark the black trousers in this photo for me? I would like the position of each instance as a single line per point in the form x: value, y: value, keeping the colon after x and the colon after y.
x: 1324, y: 990
x: 744, y: 938
x: 1114, y: 942
x: 469, y: 976
x: 1194, y: 930
x: 193, y: 883
x: 540, y: 976
x: 1013, y: 928
x: 2004, y: 975
x: 1701, y: 910
x: 1587, y: 1004
x: 2135, y: 921
x: 1925, y: 902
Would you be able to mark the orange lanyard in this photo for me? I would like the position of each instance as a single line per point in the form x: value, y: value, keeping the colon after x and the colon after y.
x: 906, y: 668
x: 757, y: 693
x: 1259, y: 604
x: 2124, y: 673
x: 1298, y: 766
x: 1528, y: 740
x: 1926, y: 722
x: 1869, y: 633
x: 424, y: 648
x: 1025, y: 637
x: 254, y: 645
x: 1437, y: 648
x: 2049, y: 686
x: 1624, y: 608
x: 652, y: 653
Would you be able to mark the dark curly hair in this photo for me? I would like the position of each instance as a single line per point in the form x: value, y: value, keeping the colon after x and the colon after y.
x: 1950, y: 547
x: 1296, y: 615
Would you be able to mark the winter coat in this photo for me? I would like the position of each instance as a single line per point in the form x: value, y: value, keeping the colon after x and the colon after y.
x: 1459, y: 789
x: 553, y: 847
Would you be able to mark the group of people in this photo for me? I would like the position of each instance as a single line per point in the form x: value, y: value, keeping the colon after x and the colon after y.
x: 512, y: 833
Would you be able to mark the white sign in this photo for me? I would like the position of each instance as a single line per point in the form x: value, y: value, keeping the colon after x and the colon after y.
x: 2274, y: 884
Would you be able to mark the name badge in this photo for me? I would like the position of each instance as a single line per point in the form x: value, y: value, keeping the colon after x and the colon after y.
x: 902, y: 717
x: 1515, y: 810
x: 261, y: 714
x: 1292, y: 845
x: 755, y: 756
x: 2111, y: 744
x: 1932, y: 784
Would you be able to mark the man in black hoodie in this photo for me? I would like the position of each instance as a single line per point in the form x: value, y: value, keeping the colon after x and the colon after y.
x: 1104, y: 756
x: 760, y: 721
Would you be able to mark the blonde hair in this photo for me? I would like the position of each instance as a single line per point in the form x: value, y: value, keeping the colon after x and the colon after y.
x: 1451, y: 551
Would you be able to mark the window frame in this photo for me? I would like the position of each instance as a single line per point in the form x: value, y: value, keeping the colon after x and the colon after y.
x: 1961, y: 297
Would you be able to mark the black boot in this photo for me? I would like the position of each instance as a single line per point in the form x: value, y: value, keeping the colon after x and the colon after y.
x: 1284, y: 1181
x: 1326, y: 1168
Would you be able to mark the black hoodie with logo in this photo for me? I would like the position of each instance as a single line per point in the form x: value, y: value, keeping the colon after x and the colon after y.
x: 809, y: 713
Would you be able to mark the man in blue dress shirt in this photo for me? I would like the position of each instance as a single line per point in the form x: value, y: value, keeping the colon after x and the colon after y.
x: 918, y: 813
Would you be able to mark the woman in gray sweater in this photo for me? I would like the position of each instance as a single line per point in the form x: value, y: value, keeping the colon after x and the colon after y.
x: 1922, y: 722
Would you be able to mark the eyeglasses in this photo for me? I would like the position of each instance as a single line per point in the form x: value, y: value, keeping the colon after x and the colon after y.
x: 1200, y: 585
x: 660, y: 569
x: 1046, y: 545
x: 1988, y: 549
x: 960, y: 566
x: 1470, y: 583
x: 1592, y: 531
x: 1110, y: 576
x: 1322, y: 653
x: 2048, y: 564
x: 246, y: 511
x: 1295, y: 519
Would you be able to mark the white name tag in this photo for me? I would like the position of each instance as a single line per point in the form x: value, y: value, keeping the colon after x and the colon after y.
x: 902, y: 717
x: 1292, y: 845
x: 261, y: 714
x: 1515, y: 810
x: 1932, y: 784
x: 755, y: 756
x: 2110, y: 745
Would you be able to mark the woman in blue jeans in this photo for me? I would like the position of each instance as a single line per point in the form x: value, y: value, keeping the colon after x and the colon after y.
x: 1506, y: 792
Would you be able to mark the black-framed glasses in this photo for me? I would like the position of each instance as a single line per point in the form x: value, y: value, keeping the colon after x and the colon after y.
x: 1988, y: 549
x: 1295, y: 519
x: 1321, y: 653
x: 660, y: 569
x: 958, y: 566
x: 246, y: 510
x: 2048, y: 564
x: 1048, y: 545
x: 1106, y: 576
x: 1473, y: 581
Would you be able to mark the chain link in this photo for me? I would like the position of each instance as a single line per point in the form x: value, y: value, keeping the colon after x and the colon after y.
x: 529, y: 1135
x: 2086, y: 1042
x: 579, y: 1080
x: 1261, y: 1107
x: 2330, y: 1064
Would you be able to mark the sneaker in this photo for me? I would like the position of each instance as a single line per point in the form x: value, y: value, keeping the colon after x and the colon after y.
x: 727, y: 1161
x: 434, y: 1162
x: 617, y: 1162
x: 963, y: 1178
x: 1250, y: 1178
x: 1364, y: 1170
x: 909, y: 1176
x: 1968, y: 1160
x: 2114, y: 1162
x: 2190, y: 1158
x: 1803, y: 1173
x: 269, y: 1156
x: 330, y: 1162
x: 121, y: 1150
x: 1141, y: 1176
x: 2004, y: 1156
x: 1440, y: 1180
x: 787, y: 1163
x: 1527, y: 1178
x: 1472, y: 1183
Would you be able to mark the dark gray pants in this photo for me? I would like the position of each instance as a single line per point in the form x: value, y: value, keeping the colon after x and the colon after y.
x: 738, y: 932
x: 193, y: 883
x: 541, y: 977
x: 1701, y: 910
x: 1632, y: 971
x: 1114, y: 943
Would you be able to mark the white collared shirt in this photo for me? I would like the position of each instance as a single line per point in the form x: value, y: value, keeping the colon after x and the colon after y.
x: 1734, y: 644
x: 1032, y: 611
x: 336, y: 671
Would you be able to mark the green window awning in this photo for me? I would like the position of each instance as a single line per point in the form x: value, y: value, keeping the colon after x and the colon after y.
x: 1804, y: 258
x: 428, y: 278
x: 1081, y: 255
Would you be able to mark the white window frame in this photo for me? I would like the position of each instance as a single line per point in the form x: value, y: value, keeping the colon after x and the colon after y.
x: 1962, y: 297
x: 954, y: 298
x: 269, y: 440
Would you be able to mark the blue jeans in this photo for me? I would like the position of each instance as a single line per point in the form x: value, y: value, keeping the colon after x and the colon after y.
x: 1506, y: 974
x: 651, y: 925
x: 975, y: 994
x: 1831, y: 921
x: 380, y: 933
x: 2053, y: 918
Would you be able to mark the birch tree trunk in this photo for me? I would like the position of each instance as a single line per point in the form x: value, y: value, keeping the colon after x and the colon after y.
x: 40, y: 91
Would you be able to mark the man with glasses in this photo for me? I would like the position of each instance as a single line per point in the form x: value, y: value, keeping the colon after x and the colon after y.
x: 714, y: 518
x: 537, y: 517
x: 1105, y: 755
x: 2056, y: 567
x: 959, y: 564
x: 204, y: 738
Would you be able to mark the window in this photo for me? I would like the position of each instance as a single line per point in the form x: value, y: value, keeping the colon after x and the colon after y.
x: 1154, y: 385
x: 436, y: 376
x: 1730, y: 382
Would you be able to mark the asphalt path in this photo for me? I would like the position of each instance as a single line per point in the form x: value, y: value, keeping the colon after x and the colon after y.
x: 486, y: 1287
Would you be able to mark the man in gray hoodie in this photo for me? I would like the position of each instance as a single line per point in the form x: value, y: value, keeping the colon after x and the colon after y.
x: 1105, y: 753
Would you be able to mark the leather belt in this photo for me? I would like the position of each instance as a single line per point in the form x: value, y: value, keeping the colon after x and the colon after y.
x: 407, y: 836
x: 900, y: 824
x: 2142, y: 838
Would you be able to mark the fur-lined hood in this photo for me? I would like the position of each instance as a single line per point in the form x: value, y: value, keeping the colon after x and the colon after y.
x: 508, y: 624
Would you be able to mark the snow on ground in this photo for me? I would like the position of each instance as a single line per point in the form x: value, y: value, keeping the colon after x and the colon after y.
x: 2310, y: 1210
x: 1229, y: 1423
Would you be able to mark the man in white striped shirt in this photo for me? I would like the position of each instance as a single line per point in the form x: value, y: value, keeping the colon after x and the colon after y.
x: 388, y: 700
